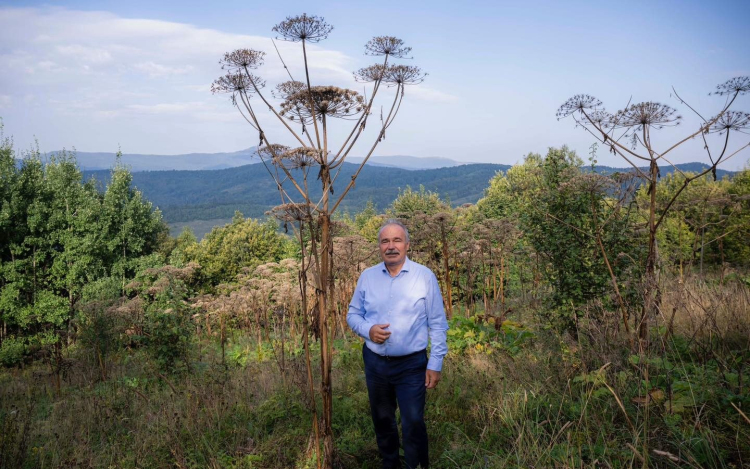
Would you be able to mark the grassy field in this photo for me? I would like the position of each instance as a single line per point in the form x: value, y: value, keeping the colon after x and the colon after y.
x: 519, y: 397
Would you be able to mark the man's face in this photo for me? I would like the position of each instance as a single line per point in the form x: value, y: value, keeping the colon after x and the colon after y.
x: 393, y: 245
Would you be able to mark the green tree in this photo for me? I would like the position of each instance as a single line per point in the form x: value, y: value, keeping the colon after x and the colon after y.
x: 227, y: 250
x: 130, y: 225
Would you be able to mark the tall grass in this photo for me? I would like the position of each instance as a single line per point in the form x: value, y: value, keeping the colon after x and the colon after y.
x: 550, y: 400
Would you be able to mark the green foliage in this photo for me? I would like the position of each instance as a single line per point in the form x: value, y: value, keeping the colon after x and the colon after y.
x: 409, y: 203
x: 707, y: 223
x: 167, y: 329
x: 470, y: 335
x: 59, y: 234
x: 12, y: 351
x: 185, y: 243
x: 562, y: 211
x: 735, y: 245
x: 225, y: 251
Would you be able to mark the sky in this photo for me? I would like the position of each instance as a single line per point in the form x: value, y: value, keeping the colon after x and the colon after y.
x: 105, y: 75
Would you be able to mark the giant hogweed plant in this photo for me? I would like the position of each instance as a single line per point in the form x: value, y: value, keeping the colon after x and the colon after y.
x: 307, y: 111
x: 628, y: 133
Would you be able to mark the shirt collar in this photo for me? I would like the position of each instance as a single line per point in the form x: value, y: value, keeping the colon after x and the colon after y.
x: 404, y: 268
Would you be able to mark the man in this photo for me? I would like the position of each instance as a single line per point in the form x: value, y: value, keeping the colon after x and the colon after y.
x: 395, y: 307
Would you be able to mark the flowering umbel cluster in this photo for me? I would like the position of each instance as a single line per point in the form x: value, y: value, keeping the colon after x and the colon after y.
x: 735, y: 86
x: 392, y: 75
x: 404, y: 75
x: 300, y: 158
x: 327, y: 101
x: 234, y: 82
x: 648, y: 114
x: 387, y: 45
x: 242, y: 59
x: 731, y: 120
x: 304, y: 27
x: 578, y: 103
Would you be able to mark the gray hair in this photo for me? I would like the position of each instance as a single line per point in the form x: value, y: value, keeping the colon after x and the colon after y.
x: 393, y: 221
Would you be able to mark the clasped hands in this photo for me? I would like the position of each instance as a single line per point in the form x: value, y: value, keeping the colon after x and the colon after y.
x: 379, y: 335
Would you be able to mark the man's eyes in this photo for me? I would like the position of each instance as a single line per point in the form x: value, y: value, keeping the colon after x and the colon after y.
x: 396, y: 240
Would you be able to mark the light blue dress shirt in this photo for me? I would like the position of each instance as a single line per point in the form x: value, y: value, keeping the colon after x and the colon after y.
x: 410, y: 302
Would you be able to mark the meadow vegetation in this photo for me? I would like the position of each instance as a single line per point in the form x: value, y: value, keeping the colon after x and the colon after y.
x: 124, y: 347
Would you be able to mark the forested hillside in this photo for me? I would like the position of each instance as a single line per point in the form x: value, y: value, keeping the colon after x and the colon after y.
x: 153, y: 349
x: 183, y: 196
x: 201, y: 195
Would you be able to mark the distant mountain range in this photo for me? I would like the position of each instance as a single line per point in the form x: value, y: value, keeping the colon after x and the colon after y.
x: 214, y: 195
x: 91, y: 161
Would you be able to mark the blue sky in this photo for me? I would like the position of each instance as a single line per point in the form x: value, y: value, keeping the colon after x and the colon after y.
x: 101, y: 75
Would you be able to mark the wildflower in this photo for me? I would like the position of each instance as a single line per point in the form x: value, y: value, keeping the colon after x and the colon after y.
x: 234, y: 82
x: 404, y: 75
x: 601, y: 119
x: 328, y: 101
x: 272, y: 151
x: 731, y: 120
x: 242, y: 59
x: 578, y: 103
x: 300, y: 157
x: 648, y: 114
x: 303, y: 28
x: 387, y: 45
x: 370, y: 74
x: 737, y: 85
x: 288, y: 88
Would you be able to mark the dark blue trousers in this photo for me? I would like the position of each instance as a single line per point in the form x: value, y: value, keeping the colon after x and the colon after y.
x: 392, y: 381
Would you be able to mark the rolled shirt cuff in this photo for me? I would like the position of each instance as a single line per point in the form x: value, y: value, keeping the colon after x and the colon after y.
x: 435, y: 364
x: 364, y: 329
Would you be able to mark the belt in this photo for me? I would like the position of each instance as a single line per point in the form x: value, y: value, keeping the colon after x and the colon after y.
x: 398, y: 357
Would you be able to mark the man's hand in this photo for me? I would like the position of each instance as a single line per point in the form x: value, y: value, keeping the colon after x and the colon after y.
x: 378, y: 333
x: 432, y: 378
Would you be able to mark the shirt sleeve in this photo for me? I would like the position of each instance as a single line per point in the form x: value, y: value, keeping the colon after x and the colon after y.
x: 356, y: 315
x: 437, y: 324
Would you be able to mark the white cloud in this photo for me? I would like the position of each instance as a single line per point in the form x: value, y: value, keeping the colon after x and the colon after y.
x: 426, y: 93
x: 96, y: 70
x: 165, y: 108
x: 155, y: 70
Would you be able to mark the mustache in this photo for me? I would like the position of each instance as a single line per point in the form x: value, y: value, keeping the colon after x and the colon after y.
x: 392, y: 251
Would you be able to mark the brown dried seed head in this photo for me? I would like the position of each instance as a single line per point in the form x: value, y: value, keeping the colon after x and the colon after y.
x: 242, y: 59
x: 304, y: 27
x: 387, y: 45
x: 578, y: 103
x: 737, y: 85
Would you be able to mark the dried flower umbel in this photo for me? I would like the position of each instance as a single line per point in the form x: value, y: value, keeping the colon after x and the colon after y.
x: 602, y: 119
x: 731, y: 120
x: 578, y: 103
x: 328, y: 101
x: 305, y: 104
x: 387, y: 45
x: 304, y: 27
x: 648, y: 114
x: 272, y: 151
x: 300, y: 157
x: 735, y: 86
x: 242, y: 59
x: 638, y: 121
x: 403, y: 75
x: 237, y: 82
x: 370, y: 74
x: 288, y: 88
